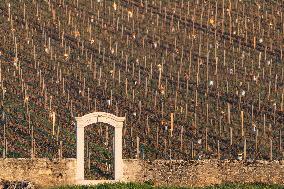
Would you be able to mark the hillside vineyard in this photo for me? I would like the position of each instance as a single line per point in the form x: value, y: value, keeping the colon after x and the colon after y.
x: 195, y: 79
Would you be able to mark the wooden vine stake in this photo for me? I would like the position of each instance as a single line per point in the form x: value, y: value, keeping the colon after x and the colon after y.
x: 34, y: 148
x: 137, y: 147
x: 206, y: 139
x: 172, y: 123
x: 53, y: 123
x: 5, y: 140
x: 218, y: 151
x: 89, y: 160
x: 256, y: 141
x: 282, y: 102
x: 181, y: 138
x: 192, y: 150
x: 280, y: 141
x: 242, y: 123
x: 245, y: 149
x: 60, y: 150
x: 229, y: 113
x: 271, y: 146
x: 147, y: 125
x: 231, y: 136
x: 32, y: 142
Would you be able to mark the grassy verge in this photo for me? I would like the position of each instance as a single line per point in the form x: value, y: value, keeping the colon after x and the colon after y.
x: 147, y: 186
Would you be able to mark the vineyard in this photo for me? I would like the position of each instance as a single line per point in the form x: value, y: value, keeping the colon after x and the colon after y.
x: 194, y: 79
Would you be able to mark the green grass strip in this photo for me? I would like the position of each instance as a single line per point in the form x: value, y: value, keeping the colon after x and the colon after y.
x: 149, y: 186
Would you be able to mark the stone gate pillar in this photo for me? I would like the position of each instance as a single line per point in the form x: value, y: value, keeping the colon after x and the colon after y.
x: 80, y: 153
x: 118, y: 163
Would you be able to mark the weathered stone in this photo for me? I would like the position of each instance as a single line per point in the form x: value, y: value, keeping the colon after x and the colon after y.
x: 45, y: 172
x: 41, y: 172
x: 203, y: 172
x: 5, y: 184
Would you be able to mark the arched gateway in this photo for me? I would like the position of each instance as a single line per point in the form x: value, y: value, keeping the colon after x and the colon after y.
x: 103, y: 117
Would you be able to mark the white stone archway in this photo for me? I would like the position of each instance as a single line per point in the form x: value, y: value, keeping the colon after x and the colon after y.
x: 103, y: 117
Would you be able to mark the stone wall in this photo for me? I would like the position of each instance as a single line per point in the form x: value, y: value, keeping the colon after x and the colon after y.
x: 41, y: 172
x: 203, y: 172
x: 45, y: 172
